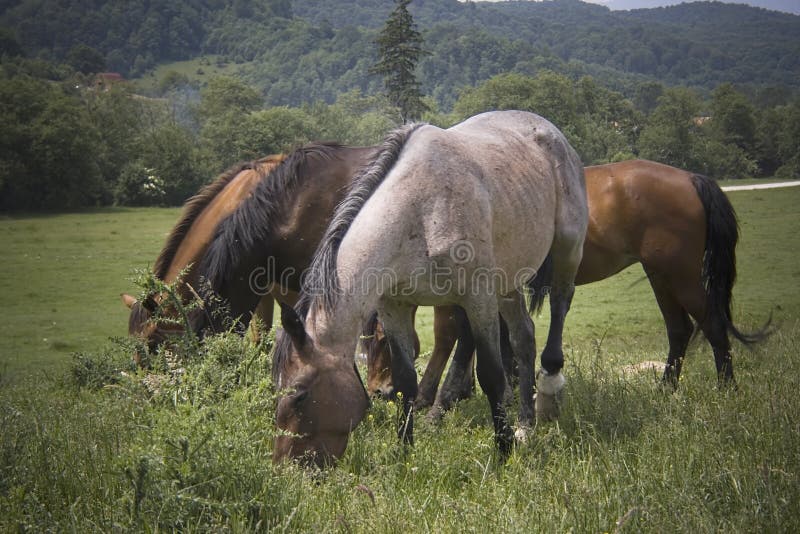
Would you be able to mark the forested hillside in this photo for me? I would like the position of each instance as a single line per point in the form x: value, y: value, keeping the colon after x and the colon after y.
x: 315, y: 49
x: 710, y: 87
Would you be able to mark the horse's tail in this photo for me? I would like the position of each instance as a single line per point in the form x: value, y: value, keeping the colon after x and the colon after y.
x: 719, y: 259
x: 539, y: 285
x: 321, y: 280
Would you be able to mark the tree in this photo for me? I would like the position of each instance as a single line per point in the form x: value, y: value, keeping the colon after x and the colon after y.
x: 225, y: 104
x: 86, y: 59
x: 732, y: 120
x: 49, y: 148
x: 670, y: 133
x: 224, y: 95
x: 400, y: 48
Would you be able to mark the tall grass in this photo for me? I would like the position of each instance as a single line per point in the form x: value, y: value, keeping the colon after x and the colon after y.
x: 189, y: 448
x: 99, y: 446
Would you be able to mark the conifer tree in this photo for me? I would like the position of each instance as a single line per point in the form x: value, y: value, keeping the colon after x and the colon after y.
x: 399, y: 50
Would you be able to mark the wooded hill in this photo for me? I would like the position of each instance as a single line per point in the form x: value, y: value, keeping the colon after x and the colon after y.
x: 309, y: 50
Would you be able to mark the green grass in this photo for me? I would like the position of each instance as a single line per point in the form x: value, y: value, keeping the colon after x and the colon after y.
x: 198, y: 70
x: 190, y: 450
x: 753, y: 181
x: 61, y: 277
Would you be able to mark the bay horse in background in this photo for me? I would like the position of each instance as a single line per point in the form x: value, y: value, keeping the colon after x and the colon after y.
x: 496, y: 193
x: 186, y: 244
x: 683, y: 230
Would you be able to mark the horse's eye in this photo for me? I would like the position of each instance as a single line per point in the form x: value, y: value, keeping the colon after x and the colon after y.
x: 300, y: 396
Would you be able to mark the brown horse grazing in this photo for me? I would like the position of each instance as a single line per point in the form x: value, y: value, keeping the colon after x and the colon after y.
x: 271, y: 239
x: 258, y: 239
x: 682, y: 229
x: 187, y: 243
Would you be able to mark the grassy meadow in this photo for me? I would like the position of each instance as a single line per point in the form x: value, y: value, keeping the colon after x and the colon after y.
x: 198, y: 70
x: 87, y: 443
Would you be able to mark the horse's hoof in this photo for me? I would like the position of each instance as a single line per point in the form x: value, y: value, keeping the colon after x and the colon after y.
x: 522, y: 433
x: 505, y: 442
x: 549, y: 395
x: 424, y: 401
x: 435, y: 414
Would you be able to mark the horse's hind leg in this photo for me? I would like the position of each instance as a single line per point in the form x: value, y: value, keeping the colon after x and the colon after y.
x: 679, y: 326
x: 523, y: 345
x: 566, y: 255
x: 445, y: 332
x: 689, y: 292
x: 398, y: 325
x: 716, y: 331
x: 459, y: 381
x: 483, y: 319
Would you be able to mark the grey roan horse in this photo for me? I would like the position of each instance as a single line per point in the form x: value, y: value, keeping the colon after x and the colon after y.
x: 460, y: 216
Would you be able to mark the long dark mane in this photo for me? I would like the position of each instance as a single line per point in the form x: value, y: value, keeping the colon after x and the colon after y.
x: 322, y: 281
x: 194, y: 207
x: 255, y: 219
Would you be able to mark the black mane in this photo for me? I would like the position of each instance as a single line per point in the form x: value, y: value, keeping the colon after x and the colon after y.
x: 255, y: 218
x: 322, y: 281
x: 283, y: 342
x: 192, y: 209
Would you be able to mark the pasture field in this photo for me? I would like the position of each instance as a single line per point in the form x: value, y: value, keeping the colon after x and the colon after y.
x: 198, y: 70
x: 89, y: 444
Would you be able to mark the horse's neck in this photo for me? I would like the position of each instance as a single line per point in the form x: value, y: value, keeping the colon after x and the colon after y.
x: 205, y: 225
x: 337, y: 329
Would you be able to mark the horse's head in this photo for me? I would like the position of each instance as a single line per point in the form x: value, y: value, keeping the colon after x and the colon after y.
x: 323, y: 398
x: 142, y: 326
x: 379, y: 361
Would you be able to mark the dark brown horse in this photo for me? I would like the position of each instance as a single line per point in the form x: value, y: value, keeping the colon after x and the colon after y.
x: 186, y: 244
x: 682, y: 229
x: 264, y: 218
x: 270, y: 239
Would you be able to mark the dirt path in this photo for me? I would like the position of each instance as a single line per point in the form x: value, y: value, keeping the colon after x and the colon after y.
x: 751, y: 187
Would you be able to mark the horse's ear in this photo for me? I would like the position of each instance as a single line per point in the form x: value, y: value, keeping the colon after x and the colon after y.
x: 128, y: 300
x: 293, y: 325
x: 150, y: 304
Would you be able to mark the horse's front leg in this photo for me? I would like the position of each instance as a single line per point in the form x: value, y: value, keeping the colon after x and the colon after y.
x: 485, y: 324
x: 398, y: 326
x: 459, y: 382
x: 522, y: 345
x: 264, y: 312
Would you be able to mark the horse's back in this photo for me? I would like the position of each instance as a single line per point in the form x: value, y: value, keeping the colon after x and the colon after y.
x: 640, y: 211
x: 495, y: 183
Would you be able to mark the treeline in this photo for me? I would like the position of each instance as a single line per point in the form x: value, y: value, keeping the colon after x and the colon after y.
x: 67, y: 142
x: 727, y: 135
x: 311, y: 50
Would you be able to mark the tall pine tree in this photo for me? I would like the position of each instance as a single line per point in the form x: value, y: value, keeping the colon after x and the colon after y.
x: 399, y: 49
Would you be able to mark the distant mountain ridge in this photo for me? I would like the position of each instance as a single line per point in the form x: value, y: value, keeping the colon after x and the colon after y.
x: 786, y: 6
